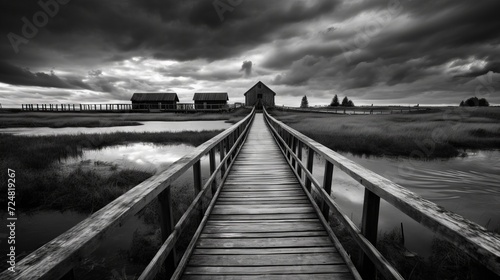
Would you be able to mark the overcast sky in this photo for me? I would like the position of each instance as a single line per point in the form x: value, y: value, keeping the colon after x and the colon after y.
x: 381, y: 52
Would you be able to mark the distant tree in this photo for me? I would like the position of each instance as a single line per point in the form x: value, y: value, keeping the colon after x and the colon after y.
x: 335, y: 101
x: 350, y: 103
x: 304, y: 103
x: 484, y: 102
x: 474, y: 101
x: 345, y: 102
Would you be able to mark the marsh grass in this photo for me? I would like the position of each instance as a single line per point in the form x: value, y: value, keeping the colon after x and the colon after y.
x: 435, y: 134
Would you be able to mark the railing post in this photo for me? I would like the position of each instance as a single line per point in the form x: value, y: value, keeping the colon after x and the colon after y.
x: 310, y: 164
x: 212, y: 169
x: 299, y: 156
x: 294, y: 150
x: 228, y: 148
x: 327, y: 185
x: 167, y: 224
x: 369, y: 228
x: 197, y: 184
x: 222, y: 154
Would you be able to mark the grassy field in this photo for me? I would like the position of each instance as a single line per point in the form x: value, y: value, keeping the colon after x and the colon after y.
x: 85, y: 119
x: 438, y: 133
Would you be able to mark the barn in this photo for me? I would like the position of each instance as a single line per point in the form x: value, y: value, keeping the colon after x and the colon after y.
x: 162, y: 100
x: 210, y: 100
x: 260, y: 95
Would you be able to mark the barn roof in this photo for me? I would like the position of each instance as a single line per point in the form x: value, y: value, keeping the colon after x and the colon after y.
x: 210, y: 96
x: 154, y: 97
x: 274, y: 93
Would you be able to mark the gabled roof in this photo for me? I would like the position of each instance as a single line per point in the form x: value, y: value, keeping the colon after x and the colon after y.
x: 154, y: 97
x: 210, y: 96
x: 257, y: 85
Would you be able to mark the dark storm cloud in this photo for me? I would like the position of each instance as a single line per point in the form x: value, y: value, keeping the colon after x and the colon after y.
x: 180, y: 30
x: 434, y: 33
x: 14, y: 75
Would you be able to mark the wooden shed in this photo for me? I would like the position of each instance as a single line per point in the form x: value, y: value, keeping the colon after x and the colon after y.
x: 260, y: 95
x: 210, y: 100
x: 162, y: 100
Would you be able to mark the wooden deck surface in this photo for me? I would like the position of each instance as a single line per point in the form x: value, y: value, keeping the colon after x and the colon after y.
x: 263, y: 225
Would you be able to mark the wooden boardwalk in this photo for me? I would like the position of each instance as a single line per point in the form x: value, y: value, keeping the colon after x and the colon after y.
x: 263, y: 225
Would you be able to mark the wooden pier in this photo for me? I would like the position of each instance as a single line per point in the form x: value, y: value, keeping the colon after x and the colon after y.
x: 261, y: 221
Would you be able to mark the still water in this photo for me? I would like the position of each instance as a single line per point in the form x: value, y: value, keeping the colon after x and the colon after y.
x: 148, y: 126
x: 468, y: 186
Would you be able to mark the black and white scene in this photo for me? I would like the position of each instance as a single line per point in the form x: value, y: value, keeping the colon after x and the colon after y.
x: 250, y: 139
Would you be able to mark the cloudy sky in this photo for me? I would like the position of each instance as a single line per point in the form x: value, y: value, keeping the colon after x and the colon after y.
x: 374, y: 51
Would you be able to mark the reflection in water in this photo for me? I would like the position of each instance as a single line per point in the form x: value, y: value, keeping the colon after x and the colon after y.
x: 141, y: 156
x: 149, y: 126
x: 468, y: 186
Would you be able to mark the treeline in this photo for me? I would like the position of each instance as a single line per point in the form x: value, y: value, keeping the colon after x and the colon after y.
x: 345, y: 102
x: 474, y: 101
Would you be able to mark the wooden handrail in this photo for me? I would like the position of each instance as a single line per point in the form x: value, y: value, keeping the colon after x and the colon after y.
x: 57, y: 258
x: 473, y: 239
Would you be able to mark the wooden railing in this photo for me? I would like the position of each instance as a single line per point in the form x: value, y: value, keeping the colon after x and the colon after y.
x: 128, y: 107
x: 473, y: 239
x: 56, y: 259
x: 355, y: 110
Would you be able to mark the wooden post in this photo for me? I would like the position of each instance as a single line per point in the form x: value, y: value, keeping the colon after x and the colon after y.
x: 167, y: 224
x: 310, y: 164
x: 221, y: 156
x: 212, y: 169
x: 294, y: 150
x: 299, y: 155
x: 369, y: 228
x: 228, y: 147
x: 327, y: 185
x: 197, y: 185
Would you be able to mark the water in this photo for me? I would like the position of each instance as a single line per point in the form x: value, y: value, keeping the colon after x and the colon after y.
x: 468, y: 186
x: 139, y: 156
x: 148, y: 126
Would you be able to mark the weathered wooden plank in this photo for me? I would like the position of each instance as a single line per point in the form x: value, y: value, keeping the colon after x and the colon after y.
x: 316, y: 276
x: 214, y: 227
x: 263, y: 251
x: 265, y: 260
x: 263, y: 234
x: 221, y: 210
x: 264, y: 242
x: 287, y: 216
x: 249, y: 270
x: 262, y: 202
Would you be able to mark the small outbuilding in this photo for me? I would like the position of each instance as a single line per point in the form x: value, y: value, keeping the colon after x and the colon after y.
x: 162, y: 100
x: 210, y: 100
x: 260, y: 95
